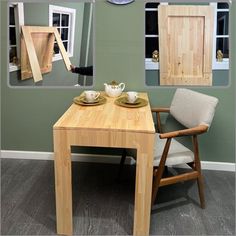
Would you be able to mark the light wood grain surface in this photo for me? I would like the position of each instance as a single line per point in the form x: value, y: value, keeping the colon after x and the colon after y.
x: 185, y: 38
x: 108, y: 116
x: 34, y: 63
x: 43, y: 44
x: 107, y: 125
x: 37, y: 51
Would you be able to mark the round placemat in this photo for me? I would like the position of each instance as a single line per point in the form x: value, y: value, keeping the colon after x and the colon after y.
x: 140, y: 102
x: 80, y: 100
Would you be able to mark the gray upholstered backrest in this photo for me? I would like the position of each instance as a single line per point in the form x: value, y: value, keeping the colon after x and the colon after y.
x: 191, y: 108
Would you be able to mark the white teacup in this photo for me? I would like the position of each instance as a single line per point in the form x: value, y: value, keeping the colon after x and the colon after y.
x: 91, y: 95
x: 132, y: 96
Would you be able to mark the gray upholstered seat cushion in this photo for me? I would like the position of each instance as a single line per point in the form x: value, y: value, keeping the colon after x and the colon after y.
x: 178, y: 153
x: 191, y: 108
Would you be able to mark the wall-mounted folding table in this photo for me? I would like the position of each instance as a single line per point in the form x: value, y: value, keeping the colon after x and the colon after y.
x: 37, y: 43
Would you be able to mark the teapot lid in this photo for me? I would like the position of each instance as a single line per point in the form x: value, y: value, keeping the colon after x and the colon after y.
x: 113, y: 82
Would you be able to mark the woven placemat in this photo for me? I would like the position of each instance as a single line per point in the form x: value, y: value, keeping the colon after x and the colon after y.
x: 80, y: 100
x: 140, y: 102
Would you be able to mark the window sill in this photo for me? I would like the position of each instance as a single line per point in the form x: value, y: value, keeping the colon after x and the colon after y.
x: 58, y: 57
x: 13, y: 67
x: 150, y: 65
x: 224, y: 65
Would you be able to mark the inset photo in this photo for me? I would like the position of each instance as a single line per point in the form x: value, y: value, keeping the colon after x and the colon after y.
x: 187, y: 44
x: 51, y: 44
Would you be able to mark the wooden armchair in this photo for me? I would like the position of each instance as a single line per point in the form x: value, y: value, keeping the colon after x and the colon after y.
x: 195, y: 111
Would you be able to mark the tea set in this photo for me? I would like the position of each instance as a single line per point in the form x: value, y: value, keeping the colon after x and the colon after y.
x: 113, y: 90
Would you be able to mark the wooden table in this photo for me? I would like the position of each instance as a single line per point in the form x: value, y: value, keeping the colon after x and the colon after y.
x: 107, y: 125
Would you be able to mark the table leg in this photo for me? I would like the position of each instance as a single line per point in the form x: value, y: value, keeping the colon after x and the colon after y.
x: 143, y: 188
x: 63, y: 185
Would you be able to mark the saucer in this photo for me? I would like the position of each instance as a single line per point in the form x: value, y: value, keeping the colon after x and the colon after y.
x: 140, y: 102
x: 137, y: 101
x: 80, y: 100
x: 85, y: 101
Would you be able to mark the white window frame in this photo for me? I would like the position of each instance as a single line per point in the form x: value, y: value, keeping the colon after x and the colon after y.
x: 216, y: 65
x: 149, y: 64
x: 71, y: 32
x: 19, y: 21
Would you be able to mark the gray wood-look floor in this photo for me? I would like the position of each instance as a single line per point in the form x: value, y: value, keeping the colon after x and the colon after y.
x: 104, y: 206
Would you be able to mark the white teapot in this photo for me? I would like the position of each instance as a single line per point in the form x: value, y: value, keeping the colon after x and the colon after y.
x: 114, y: 89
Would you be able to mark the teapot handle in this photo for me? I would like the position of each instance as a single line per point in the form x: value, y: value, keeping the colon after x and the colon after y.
x: 122, y: 86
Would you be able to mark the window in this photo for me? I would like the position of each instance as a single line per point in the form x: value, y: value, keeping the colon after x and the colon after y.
x: 221, y: 36
x: 151, y: 35
x: 16, y: 19
x: 64, y: 19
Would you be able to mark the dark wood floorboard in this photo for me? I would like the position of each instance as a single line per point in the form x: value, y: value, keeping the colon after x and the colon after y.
x: 104, y: 206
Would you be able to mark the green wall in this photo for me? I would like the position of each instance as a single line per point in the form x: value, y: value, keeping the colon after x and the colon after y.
x: 29, y: 114
x: 87, y: 34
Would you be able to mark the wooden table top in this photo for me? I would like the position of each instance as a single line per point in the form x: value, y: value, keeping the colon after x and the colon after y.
x: 108, y: 116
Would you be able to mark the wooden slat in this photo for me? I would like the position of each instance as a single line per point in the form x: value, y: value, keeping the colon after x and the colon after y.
x: 39, y: 29
x: 62, y: 50
x: 34, y: 64
x: 163, y: 17
x: 178, y: 178
x: 26, y: 71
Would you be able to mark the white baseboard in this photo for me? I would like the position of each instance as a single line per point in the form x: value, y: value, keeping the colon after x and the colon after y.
x: 225, y: 166
x: 97, y: 158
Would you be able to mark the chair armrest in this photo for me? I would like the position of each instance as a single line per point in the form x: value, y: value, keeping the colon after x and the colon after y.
x: 160, y: 109
x: 192, y: 131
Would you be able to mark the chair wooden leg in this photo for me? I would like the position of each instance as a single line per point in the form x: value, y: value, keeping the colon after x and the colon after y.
x: 122, y: 162
x: 201, y: 191
x: 198, y: 169
x: 160, y: 171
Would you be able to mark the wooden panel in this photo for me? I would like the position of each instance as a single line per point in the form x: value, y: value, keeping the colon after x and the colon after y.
x: 37, y: 44
x: 185, y: 37
x: 43, y: 43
